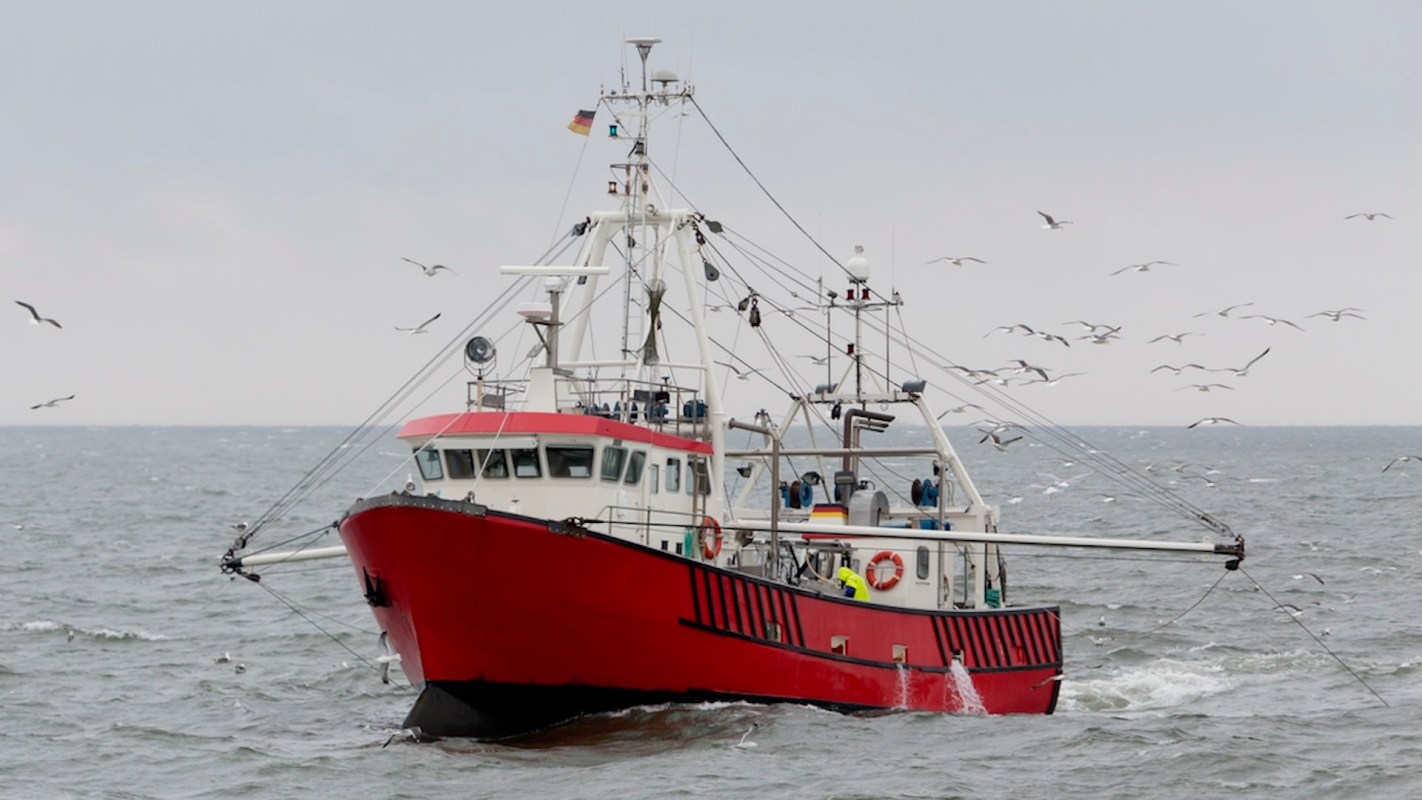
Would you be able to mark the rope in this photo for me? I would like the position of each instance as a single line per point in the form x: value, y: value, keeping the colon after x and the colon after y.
x: 1311, y: 635
x: 297, y: 610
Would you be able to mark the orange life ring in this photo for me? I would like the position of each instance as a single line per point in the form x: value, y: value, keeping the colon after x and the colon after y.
x: 710, y: 544
x: 888, y: 583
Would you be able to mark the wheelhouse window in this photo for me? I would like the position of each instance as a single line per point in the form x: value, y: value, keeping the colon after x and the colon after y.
x: 459, y: 464
x: 428, y: 460
x: 526, y: 463
x: 673, y: 475
x: 612, y: 460
x: 569, y: 461
x: 635, y: 464
x: 494, y: 463
x: 654, y: 478
x: 921, y: 563
x: 697, y: 481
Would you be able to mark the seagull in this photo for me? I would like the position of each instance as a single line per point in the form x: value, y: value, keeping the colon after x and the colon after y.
x: 1023, y: 366
x: 1144, y: 267
x: 1369, y: 215
x: 1210, y: 421
x: 51, y: 403
x: 35, y: 318
x: 223, y: 659
x: 997, y: 441
x: 1089, y: 326
x: 1205, y: 387
x: 1174, y: 337
x: 1045, y: 681
x: 429, y: 271
x: 1224, y: 312
x: 1056, y: 380
x: 1243, y: 371
x: 745, y: 376
x: 1053, y: 224
x: 1293, y: 610
x: 1027, y: 329
x: 960, y: 409
x: 819, y: 361
x: 957, y: 261
x: 743, y: 743
x: 1400, y: 459
x: 1271, y: 320
x: 1299, y: 577
x: 1103, y: 338
x: 1179, y: 369
x: 1051, y: 337
x: 1340, y: 314
x: 421, y: 327
x: 69, y: 635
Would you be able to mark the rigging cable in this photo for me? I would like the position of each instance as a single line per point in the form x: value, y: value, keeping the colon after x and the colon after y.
x: 1284, y: 607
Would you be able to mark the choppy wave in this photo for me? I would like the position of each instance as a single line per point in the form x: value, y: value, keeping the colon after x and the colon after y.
x: 50, y: 626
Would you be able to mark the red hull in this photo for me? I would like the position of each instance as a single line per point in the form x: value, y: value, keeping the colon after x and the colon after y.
x: 510, y: 623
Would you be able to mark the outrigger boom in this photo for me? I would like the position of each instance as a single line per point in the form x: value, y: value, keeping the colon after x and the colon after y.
x: 1235, y: 549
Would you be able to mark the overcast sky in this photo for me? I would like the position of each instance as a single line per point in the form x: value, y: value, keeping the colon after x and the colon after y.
x: 213, y: 199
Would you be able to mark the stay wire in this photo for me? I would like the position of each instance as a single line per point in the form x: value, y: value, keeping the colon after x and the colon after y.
x: 1313, y: 636
x: 297, y: 610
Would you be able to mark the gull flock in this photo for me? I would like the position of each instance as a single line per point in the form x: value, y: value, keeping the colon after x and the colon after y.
x: 1027, y: 372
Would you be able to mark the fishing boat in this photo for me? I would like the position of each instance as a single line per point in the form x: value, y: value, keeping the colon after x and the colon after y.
x: 582, y: 535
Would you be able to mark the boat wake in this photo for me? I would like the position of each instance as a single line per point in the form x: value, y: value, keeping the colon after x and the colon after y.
x: 1162, y: 684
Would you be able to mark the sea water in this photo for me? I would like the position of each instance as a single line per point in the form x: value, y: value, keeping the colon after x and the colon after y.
x: 114, y: 624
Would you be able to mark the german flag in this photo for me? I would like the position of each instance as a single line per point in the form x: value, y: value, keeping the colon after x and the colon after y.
x: 582, y: 123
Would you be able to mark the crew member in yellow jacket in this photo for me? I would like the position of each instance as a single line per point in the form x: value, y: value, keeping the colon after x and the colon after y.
x: 854, y: 586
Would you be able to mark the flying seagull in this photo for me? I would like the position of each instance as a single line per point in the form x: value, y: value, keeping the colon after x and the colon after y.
x: 1369, y: 215
x: 1051, y: 337
x: 1103, y: 338
x: 1205, y: 387
x: 1053, y: 224
x: 956, y: 261
x: 1399, y: 460
x: 1271, y: 320
x: 1026, y: 329
x: 1056, y: 380
x: 818, y: 361
x: 1174, y: 337
x: 51, y: 403
x: 1143, y: 267
x: 1211, y: 421
x: 1340, y: 314
x: 1091, y: 327
x: 429, y: 271
x: 1023, y: 366
x: 745, y: 376
x: 1179, y: 369
x: 960, y: 409
x: 419, y: 328
x: 35, y: 318
x: 1240, y: 372
x: 1224, y: 312
x: 997, y: 441
x: 743, y: 743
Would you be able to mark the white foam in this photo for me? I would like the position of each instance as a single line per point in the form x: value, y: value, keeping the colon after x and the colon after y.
x: 1165, y: 683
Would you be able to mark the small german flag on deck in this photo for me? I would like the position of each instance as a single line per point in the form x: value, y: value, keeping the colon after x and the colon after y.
x: 582, y: 123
